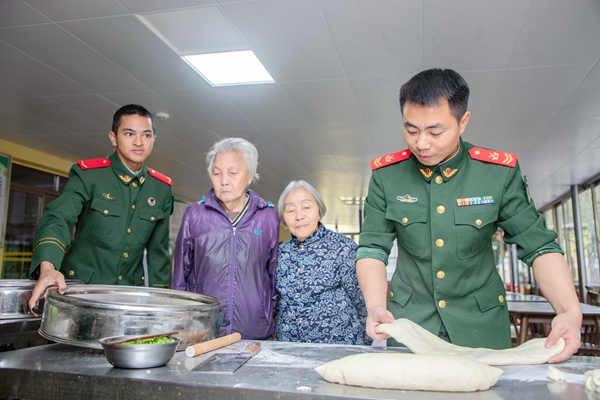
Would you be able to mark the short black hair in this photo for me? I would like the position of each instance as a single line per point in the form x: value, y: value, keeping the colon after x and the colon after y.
x: 131, y: 109
x: 428, y: 87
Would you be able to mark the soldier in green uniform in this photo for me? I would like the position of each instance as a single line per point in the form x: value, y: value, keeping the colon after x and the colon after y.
x: 443, y: 199
x: 120, y: 208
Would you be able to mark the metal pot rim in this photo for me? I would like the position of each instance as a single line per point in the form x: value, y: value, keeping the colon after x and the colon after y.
x: 205, y: 301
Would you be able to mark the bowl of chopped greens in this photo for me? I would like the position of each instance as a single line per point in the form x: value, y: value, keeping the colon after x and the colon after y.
x: 139, y: 353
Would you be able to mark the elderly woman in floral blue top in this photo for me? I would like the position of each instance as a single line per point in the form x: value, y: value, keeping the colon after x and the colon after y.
x: 319, y: 297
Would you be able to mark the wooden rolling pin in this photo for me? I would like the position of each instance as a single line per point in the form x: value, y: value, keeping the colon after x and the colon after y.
x: 205, y: 347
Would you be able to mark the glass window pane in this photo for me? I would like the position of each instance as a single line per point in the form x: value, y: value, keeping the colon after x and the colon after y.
x: 32, y: 177
x: 588, y: 229
x: 23, y: 216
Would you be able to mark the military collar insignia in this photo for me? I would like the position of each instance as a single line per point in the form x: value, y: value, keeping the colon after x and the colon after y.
x: 151, y: 201
x: 125, y: 178
x: 142, y: 180
x: 407, y: 198
x: 448, y: 172
x: 108, y: 196
x: 427, y: 172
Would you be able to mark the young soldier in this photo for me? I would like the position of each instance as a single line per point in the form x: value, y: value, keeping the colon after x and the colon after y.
x: 120, y: 208
x: 443, y: 199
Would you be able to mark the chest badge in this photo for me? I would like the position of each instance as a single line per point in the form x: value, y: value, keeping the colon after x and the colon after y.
x: 407, y: 198
x: 108, y: 196
x: 474, y: 201
x: 151, y: 201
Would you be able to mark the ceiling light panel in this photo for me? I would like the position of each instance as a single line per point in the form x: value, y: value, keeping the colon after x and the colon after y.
x: 233, y: 68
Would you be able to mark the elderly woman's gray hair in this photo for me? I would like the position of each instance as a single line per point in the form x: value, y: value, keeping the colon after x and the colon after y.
x: 292, y: 187
x: 230, y: 145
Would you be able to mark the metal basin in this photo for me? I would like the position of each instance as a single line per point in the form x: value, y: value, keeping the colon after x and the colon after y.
x: 15, y: 295
x: 138, y: 355
x: 86, y: 313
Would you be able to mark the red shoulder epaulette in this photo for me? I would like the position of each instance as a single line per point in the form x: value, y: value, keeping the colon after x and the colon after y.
x: 160, y: 177
x: 390, y: 159
x: 94, y: 163
x: 493, y: 156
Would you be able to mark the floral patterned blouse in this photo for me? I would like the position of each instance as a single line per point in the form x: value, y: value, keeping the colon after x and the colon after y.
x: 319, y: 297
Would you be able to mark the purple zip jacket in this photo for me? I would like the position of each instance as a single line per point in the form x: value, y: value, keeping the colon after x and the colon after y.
x: 234, y: 264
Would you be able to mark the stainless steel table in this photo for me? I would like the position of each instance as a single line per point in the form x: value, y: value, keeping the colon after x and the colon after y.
x: 279, y: 371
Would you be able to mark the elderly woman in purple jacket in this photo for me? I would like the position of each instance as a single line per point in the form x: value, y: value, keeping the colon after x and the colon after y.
x: 227, y: 243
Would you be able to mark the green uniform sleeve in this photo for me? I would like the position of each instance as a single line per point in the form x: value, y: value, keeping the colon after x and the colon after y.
x: 53, y: 233
x: 522, y: 224
x: 377, y: 234
x: 158, y: 259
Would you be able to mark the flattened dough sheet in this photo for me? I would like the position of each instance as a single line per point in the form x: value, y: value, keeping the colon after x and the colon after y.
x: 420, y: 341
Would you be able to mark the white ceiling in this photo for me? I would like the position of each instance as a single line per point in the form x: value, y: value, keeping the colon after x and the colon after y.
x: 533, y: 67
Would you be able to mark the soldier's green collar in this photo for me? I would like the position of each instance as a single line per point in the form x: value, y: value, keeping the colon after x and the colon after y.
x: 446, y: 170
x: 124, y: 174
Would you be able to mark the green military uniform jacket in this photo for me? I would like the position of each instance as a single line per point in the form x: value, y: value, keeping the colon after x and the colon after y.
x: 444, y: 218
x: 117, y: 216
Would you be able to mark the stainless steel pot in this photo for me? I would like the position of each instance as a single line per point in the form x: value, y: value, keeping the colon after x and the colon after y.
x: 15, y: 294
x: 86, y: 313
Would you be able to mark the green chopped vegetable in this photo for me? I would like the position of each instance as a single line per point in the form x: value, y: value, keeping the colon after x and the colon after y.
x: 157, y: 340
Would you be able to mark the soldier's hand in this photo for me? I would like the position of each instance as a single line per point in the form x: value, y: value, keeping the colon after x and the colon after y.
x: 566, y: 325
x: 378, y: 315
x: 49, y: 276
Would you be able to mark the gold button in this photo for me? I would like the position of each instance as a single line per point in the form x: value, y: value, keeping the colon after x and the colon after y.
x: 439, y: 179
x: 297, y: 295
x: 133, y: 206
x: 134, y: 184
x: 478, y: 222
x: 391, y: 294
x: 143, y: 277
x: 477, y: 152
x: 299, y: 269
x: 126, y: 254
x: 441, y: 209
x: 441, y: 274
x: 501, y: 299
x: 152, y: 218
x: 404, y: 220
x: 105, y: 211
x: 439, y: 243
x: 442, y: 304
x: 128, y: 230
x: 300, y: 319
x: 71, y: 273
x: 120, y: 278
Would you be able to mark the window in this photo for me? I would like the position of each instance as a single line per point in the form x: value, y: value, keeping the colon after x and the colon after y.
x: 30, y: 191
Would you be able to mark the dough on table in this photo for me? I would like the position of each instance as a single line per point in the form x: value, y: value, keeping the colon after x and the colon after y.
x: 411, y: 372
x: 420, y: 341
x: 592, y: 380
x: 555, y: 374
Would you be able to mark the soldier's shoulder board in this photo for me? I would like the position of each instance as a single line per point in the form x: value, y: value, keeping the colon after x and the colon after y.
x: 160, y: 177
x: 94, y: 163
x: 390, y: 159
x: 493, y: 156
